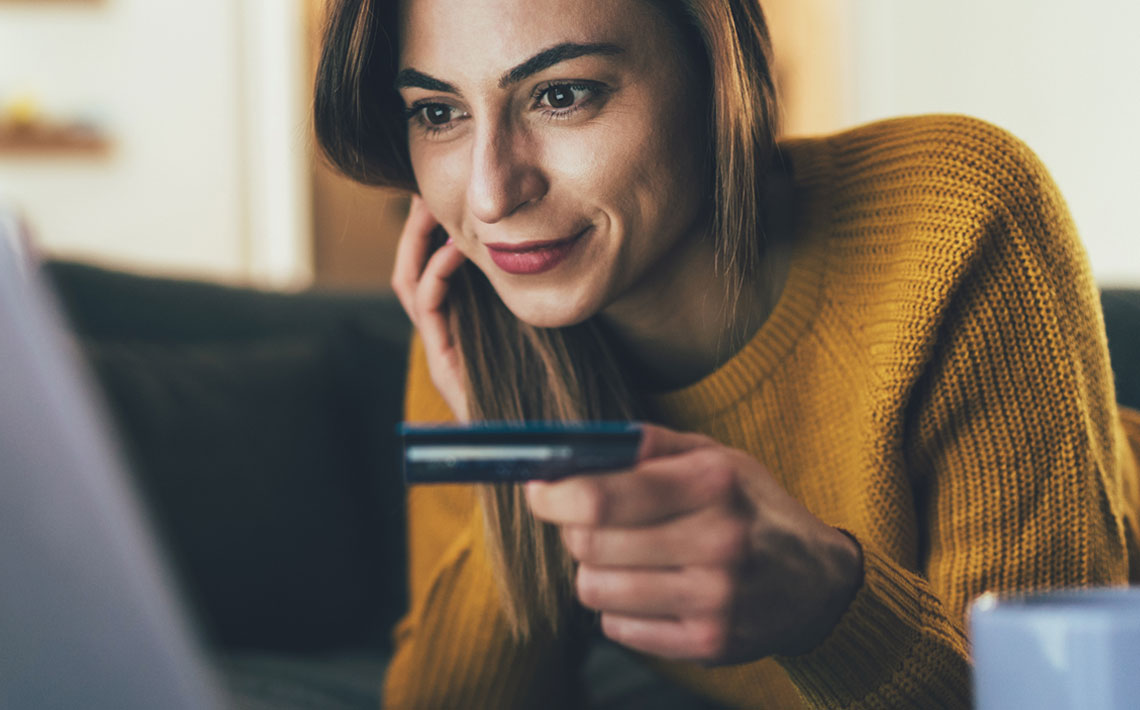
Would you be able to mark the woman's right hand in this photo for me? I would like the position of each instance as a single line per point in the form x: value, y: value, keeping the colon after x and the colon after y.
x: 420, y: 281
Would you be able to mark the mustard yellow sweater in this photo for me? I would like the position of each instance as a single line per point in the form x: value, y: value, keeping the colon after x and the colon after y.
x: 934, y: 380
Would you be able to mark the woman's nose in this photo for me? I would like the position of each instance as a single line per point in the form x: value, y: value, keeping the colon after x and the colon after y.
x: 504, y: 175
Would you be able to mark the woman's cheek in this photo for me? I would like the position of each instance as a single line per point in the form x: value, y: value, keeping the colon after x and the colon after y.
x: 445, y: 212
x: 597, y: 155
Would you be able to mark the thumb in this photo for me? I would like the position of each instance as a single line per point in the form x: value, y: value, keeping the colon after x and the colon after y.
x: 658, y: 441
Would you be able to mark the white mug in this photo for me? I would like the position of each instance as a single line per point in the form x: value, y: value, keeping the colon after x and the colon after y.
x: 1057, y: 650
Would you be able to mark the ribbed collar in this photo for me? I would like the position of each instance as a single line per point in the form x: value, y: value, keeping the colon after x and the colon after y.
x: 811, y: 163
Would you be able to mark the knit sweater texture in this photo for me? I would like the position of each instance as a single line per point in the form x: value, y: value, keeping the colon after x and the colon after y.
x: 934, y: 380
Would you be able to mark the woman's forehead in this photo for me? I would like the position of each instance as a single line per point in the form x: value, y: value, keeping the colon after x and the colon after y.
x: 478, y: 39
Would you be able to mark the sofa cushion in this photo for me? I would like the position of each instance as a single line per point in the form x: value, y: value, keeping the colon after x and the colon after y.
x: 104, y: 304
x: 272, y: 478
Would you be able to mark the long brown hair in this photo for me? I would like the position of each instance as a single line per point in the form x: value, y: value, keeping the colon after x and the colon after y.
x: 517, y: 372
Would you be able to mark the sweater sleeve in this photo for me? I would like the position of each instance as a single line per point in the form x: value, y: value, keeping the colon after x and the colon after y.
x: 1011, y: 442
x: 453, y: 648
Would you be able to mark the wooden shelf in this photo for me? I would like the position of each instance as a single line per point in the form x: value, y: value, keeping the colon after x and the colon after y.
x: 35, y: 141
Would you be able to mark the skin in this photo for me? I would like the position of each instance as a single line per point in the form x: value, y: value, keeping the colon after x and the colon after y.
x: 508, y: 171
x: 696, y: 552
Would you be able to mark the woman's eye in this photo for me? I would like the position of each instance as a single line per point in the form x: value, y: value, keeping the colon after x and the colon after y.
x: 560, y: 97
x: 565, y: 98
x: 436, y: 114
x: 434, y: 118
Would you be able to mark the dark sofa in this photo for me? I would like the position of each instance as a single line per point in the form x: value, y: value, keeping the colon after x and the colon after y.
x: 261, y: 430
x: 261, y: 427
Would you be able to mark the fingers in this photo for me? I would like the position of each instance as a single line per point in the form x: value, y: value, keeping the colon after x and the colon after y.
x: 657, y: 441
x: 420, y: 280
x: 676, y: 592
x: 430, y: 294
x: 652, y: 492
x: 689, y: 639
x: 711, y: 536
x: 412, y: 253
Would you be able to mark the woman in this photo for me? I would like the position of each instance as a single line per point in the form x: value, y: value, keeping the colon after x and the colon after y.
x: 874, y: 362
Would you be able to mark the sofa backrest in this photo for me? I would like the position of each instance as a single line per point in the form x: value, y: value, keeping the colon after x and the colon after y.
x: 1122, y: 324
x: 261, y: 429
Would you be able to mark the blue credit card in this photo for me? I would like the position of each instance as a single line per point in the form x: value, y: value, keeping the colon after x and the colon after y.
x: 508, y: 452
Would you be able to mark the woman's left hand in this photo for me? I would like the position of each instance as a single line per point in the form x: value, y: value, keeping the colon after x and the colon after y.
x: 697, y: 553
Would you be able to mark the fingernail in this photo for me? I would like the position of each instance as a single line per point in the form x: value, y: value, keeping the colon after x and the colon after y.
x: 449, y: 241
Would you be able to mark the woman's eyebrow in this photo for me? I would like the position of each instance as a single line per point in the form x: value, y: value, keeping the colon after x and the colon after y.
x: 543, y: 60
x: 553, y: 55
x: 411, y: 77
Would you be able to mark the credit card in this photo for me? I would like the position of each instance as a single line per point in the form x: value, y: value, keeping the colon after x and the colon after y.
x: 509, y: 452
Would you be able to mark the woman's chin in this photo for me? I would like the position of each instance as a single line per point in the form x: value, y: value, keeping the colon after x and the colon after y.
x: 556, y: 300
x: 548, y: 313
x: 551, y: 320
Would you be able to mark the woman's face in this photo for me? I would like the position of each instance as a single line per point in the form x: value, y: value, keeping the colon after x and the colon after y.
x: 559, y: 142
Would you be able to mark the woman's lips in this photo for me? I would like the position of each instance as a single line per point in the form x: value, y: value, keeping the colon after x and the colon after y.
x: 533, y: 257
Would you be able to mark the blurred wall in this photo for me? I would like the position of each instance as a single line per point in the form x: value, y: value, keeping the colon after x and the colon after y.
x: 812, y: 48
x: 1061, y: 75
x: 355, y: 227
x: 211, y: 170
x: 204, y: 103
x: 1057, y: 74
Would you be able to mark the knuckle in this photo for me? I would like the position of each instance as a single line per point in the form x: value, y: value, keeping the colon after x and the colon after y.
x: 718, y: 473
x: 709, y: 638
x: 588, y: 588
x: 596, y: 505
x: 578, y: 541
x: 421, y: 304
x: 716, y: 591
x: 729, y: 544
x: 614, y: 630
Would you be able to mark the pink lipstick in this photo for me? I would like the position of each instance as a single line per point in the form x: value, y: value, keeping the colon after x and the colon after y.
x: 533, y: 257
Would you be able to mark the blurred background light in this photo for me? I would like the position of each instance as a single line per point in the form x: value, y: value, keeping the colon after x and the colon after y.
x: 173, y: 137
